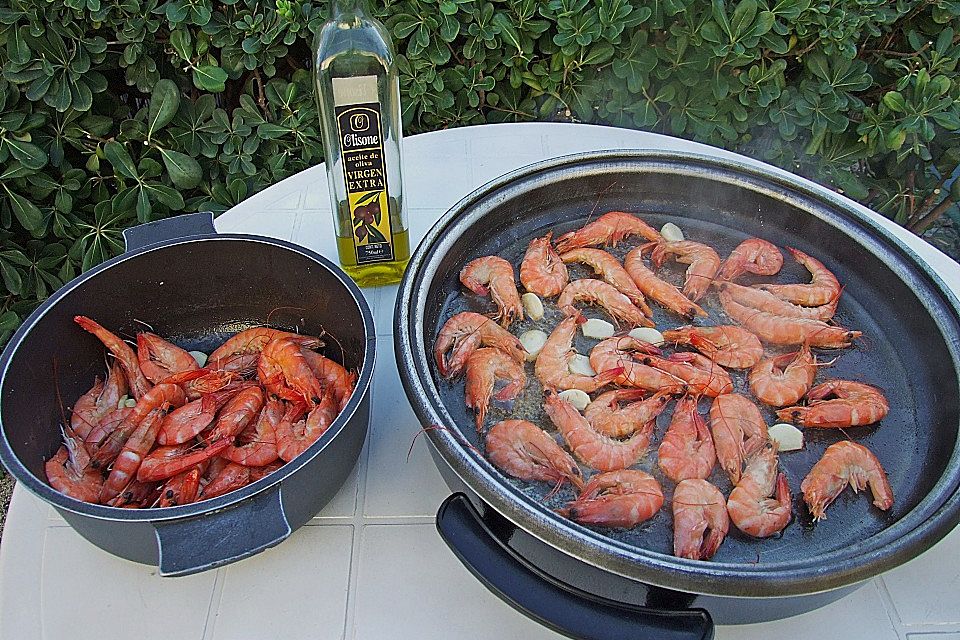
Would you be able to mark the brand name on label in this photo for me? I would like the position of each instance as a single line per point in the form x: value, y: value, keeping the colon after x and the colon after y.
x: 353, y: 140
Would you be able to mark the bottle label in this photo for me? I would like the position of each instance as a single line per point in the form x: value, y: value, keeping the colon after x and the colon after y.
x: 364, y: 169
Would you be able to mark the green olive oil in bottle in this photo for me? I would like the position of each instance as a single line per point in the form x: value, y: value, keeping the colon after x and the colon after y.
x: 358, y: 92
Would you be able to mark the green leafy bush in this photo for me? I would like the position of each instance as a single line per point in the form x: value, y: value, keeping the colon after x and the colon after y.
x: 114, y: 112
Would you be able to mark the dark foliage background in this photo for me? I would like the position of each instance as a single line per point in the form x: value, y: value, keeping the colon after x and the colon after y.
x: 114, y: 112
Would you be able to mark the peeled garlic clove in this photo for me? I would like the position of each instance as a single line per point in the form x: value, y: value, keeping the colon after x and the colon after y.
x: 597, y: 328
x: 200, y: 357
x: 647, y: 334
x: 130, y: 402
x: 533, y: 342
x: 122, y: 402
x: 580, y: 364
x: 532, y: 305
x: 576, y: 397
x: 671, y: 232
x: 786, y: 436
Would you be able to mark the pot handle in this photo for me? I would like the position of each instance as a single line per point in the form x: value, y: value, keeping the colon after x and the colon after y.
x: 181, y: 226
x: 221, y: 537
x: 559, y: 606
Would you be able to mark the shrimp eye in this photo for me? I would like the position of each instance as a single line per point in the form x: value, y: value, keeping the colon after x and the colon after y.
x: 169, y: 494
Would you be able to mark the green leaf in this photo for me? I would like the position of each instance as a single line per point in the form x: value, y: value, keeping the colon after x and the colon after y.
x: 895, y: 101
x: 164, y: 103
x: 210, y: 78
x: 181, y: 42
x: 120, y: 159
x: 507, y: 31
x: 742, y: 18
x: 26, y: 212
x: 27, y: 153
x: 11, y: 278
x: 183, y: 170
x: 375, y: 235
x: 370, y: 197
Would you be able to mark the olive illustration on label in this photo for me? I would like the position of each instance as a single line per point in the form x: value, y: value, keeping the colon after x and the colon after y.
x: 366, y: 217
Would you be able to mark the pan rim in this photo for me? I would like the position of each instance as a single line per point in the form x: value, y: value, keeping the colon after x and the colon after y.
x: 940, y: 508
x: 166, y: 514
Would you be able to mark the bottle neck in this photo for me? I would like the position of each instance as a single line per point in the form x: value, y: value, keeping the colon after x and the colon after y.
x: 348, y: 10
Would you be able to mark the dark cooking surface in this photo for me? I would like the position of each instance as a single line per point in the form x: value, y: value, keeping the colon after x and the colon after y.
x: 901, y: 351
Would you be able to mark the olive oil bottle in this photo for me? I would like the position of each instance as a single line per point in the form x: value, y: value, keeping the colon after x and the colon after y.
x: 358, y: 92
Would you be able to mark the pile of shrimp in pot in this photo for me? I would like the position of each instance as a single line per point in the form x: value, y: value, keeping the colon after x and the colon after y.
x: 168, y: 427
x: 572, y: 403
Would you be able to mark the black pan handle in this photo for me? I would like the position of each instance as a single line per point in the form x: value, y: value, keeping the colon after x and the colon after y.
x: 559, y: 606
x: 181, y: 226
x: 215, y: 539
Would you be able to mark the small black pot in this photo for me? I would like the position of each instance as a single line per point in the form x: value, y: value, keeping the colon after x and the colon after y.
x: 593, y: 583
x: 196, y: 288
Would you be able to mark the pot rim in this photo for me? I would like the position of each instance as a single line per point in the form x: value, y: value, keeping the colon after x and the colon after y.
x: 930, y: 520
x: 102, y: 512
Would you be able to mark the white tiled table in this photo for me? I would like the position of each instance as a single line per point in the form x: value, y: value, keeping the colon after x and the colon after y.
x: 371, y: 565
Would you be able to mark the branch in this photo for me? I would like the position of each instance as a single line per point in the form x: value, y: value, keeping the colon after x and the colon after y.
x: 924, y: 223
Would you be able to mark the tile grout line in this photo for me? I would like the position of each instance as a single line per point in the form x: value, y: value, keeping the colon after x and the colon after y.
x: 353, y: 577
x: 890, y: 608
x: 213, y: 607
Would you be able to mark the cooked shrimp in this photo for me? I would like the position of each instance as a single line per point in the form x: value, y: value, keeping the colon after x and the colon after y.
x: 493, y: 276
x: 285, y: 372
x: 780, y: 330
x: 751, y: 507
x: 595, y: 449
x: 727, y: 345
x: 610, y: 228
x: 552, y: 367
x: 622, y: 498
x: 260, y: 447
x: 463, y: 334
x: 687, y: 448
x: 782, y: 380
x: 701, y: 375
x: 542, y: 272
x: 106, y: 426
x: 605, y: 415
x: 766, y: 301
x: 703, y: 260
x: 600, y: 293
x: 160, y: 359
x: 232, y: 477
x: 124, y: 354
x: 615, y: 354
x: 822, y: 289
x: 199, y: 382
x: 236, y: 414
x: 525, y: 451
x: 80, y: 483
x: 252, y: 341
x: 96, y: 403
x: 182, y: 488
x: 166, y: 462
x: 158, y: 396
x: 738, y: 430
x: 845, y: 463
x: 295, y: 438
x: 484, y: 368
x: 610, y: 269
x: 334, y: 378
x: 839, y: 403
x: 700, y: 520
x: 125, y: 467
x: 752, y: 256
x: 184, y: 423
x: 653, y: 287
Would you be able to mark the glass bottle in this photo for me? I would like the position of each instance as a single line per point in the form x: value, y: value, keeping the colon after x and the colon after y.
x: 358, y: 91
